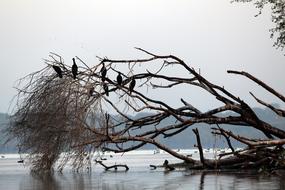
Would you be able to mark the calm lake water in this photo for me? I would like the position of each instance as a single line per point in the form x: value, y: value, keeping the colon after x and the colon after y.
x: 15, y: 176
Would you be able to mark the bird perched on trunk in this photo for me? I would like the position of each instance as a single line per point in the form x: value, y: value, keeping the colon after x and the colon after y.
x: 74, y: 69
x: 167, y: 166
x: 103, y: 72
x: 57, y: 70
x: 106, y: 89
x: 119, y: 79
x: 132, y: 85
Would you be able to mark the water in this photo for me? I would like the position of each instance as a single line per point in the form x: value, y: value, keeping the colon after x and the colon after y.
x: 15, y: 176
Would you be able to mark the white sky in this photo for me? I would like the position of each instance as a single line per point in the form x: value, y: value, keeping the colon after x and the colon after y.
x: 214, y: 35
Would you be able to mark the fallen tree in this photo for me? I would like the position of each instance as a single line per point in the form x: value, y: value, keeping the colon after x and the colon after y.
x: 68, y: 109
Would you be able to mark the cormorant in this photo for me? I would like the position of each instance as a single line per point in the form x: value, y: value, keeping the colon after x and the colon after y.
x: 57, y: 70
x: 91, y: 90
x: 106, y: 89
x: 20, y: 161
x: 167, y: 166
x: 132, y: 85
x: 119, y: 79
x: 74, y: 69
x: 165, y: 163
x: 103, y: 72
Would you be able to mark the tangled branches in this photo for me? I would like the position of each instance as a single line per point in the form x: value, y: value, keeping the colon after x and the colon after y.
x: 88, y: 110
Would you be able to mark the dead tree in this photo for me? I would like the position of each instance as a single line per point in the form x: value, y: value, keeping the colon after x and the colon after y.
x: 72, y: 115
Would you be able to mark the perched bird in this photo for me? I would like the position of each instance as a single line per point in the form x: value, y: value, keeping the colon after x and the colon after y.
x: 103, y: 72
x: 132, y: 85
x: 20, y: 161
x: 74, y: 69
x: 165, y: 163
x: 91, y: 90
x: 106, y: 89
x: 57, y: 70
x: 119, y: 79
x: 167, y: 166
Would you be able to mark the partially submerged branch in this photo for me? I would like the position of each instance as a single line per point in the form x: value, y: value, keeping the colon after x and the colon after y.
x: 115, y: 167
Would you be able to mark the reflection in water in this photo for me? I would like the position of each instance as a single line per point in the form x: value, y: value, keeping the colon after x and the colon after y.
x: 14, y: 177
x: 152, y: 180
x: 241, y: 180
x: 40, y: 181
x: 202, y: 178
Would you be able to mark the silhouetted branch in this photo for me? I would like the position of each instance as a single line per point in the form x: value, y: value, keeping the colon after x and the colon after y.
x: 227, y: 137
x: 199, y: 145
x: 277, y: 111
x: 265, y: 86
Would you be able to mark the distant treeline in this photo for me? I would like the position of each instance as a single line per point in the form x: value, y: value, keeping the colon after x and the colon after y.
x: 9, y: 147
x: 184, y: 140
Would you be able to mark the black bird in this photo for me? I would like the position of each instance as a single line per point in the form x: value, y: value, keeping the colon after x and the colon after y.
x: 20, y: 161
x: 167, y: 166
x: 57, y: 70
x: 91, y: 90
x: 103, y: 72
x: 74, y: 69
x: 106, y: 89
x: 165, y: 163
x: 119, y: 79
x: 132, y: 85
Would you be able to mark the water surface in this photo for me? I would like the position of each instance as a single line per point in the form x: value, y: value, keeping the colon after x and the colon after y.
x: 15, y: 176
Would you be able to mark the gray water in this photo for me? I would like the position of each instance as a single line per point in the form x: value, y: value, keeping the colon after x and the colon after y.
x: 15, y: 176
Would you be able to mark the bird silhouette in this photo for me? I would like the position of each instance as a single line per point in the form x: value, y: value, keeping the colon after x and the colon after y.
x: 57, y: 70
x: 20, y: 161
x: 91, y: 90
x: 165, y: 163
x: 103, y: 72
x: 119, y: 79
x: 106, y: 89
x: 167, y: 166
x: 74, y: 69
x: 132, y: 85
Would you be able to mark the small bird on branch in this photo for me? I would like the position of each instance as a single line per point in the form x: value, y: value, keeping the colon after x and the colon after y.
x: 91, y: 90
x: 132, y: 85
x: 103, y: 72
x: 106, y: 89
x: 57, y: 70
x: 74, y: 69
x: 119, y: 79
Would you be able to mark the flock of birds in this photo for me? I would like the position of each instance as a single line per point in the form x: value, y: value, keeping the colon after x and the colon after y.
x: 103, y: 73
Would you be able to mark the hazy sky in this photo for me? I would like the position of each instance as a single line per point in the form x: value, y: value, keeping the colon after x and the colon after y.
x: 214, y: 35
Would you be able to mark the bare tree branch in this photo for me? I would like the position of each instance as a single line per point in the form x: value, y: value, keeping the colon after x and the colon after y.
x: 90, y: 112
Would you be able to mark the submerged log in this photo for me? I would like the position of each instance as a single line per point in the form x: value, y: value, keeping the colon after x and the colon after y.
x: 115, y: 167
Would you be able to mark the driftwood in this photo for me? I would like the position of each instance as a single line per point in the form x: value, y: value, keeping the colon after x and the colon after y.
x: 115, y: 167
x: 65, y: 114
x: 165, y: 165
